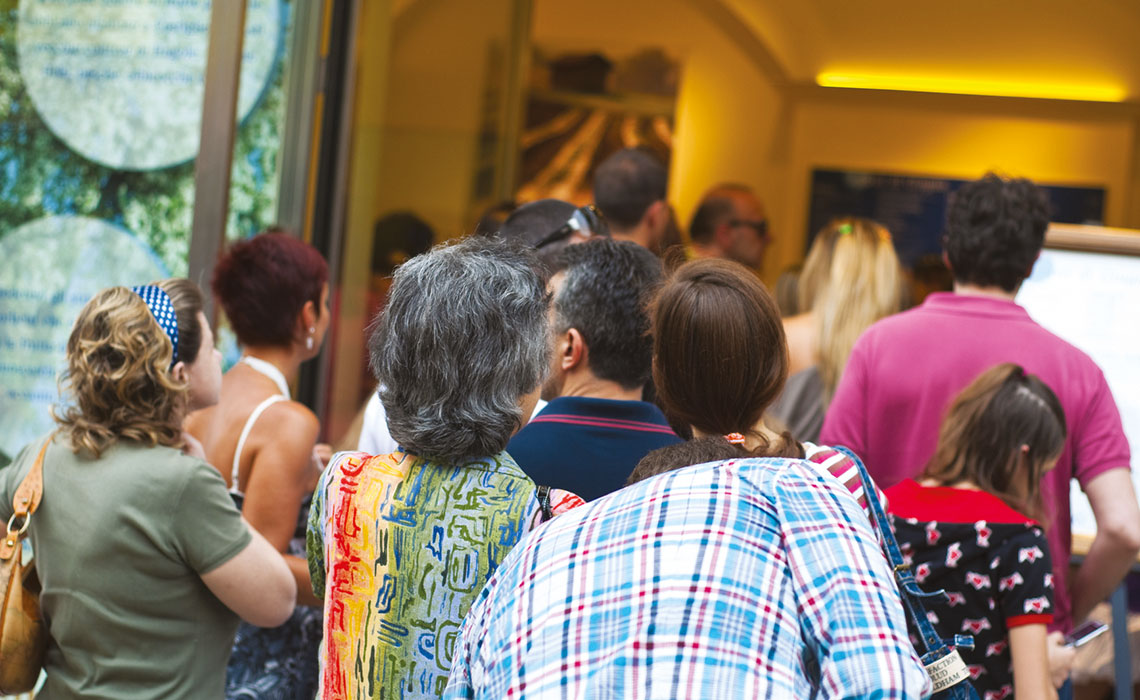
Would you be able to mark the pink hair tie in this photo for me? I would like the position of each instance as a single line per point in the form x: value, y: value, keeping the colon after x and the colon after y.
x: 735, y: 438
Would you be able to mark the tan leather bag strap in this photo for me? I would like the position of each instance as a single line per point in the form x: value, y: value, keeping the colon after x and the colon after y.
x: 24, y: 503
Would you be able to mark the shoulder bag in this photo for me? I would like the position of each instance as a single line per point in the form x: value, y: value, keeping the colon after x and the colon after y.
x: 944, y: 665
x: 23, y: 635
x: 542, y: 493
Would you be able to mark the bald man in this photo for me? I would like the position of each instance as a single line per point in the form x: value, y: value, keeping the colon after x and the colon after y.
x: 730, y: 222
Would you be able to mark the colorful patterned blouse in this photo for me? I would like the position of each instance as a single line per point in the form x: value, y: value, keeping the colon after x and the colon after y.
x: 399, y: 547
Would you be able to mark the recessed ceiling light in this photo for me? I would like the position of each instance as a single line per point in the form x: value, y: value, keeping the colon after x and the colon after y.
x: 959, y: 86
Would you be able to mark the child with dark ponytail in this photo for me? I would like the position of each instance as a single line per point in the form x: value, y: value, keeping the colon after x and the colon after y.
x: 971, y: 525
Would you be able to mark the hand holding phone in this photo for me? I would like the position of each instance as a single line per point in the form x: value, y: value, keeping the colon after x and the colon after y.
x: 1060, y: 657
x: 1085, y: 632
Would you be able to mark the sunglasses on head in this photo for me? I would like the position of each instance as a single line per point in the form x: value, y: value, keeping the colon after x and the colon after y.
x: 587, y: 220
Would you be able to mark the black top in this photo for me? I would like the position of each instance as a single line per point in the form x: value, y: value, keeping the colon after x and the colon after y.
x: 993, y: 563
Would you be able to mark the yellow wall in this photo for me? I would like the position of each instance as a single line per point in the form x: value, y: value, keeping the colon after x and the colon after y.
x: 424, y: 67
x: 422, y: 71
x: 441, y: 68
x: 730, y: 123
x: 734, y: 123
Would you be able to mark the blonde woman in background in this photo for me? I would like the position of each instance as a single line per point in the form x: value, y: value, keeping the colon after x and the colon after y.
x: 851, y: 279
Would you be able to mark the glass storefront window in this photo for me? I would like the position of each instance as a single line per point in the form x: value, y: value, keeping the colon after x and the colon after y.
x: 100, y: 117
x: 432, y: 97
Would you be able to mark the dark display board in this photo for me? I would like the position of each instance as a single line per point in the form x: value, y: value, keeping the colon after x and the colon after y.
x: 914, y: 208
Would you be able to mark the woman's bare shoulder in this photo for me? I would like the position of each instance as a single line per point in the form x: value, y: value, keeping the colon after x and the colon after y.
x: 801, y: 333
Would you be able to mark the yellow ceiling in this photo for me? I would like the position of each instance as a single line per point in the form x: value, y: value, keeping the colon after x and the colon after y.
x: 999, y: 46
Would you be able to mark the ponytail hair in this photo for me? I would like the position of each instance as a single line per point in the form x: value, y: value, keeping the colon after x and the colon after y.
x: 720, y: 357
x: 851, y: 279
x: 1002, y: 433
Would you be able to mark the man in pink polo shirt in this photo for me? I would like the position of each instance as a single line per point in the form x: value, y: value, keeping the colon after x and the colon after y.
x: 904, y: 370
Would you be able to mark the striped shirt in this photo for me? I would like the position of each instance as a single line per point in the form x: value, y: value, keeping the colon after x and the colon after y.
x: 843, y: 468
x: 753, y: 578
x: 588, y: 445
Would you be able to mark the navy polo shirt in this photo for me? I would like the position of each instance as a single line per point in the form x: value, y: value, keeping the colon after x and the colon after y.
x: 589, y: 446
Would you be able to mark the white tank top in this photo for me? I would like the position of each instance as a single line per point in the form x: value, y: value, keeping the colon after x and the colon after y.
x: 271, y: 371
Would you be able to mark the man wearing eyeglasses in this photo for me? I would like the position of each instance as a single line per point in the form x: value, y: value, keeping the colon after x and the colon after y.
x: 730, y: 223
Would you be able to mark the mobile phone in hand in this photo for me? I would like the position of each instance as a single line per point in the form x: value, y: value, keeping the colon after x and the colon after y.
x: 1085, y: 632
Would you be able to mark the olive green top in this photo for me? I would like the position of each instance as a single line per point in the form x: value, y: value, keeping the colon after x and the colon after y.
x: 120, y: 543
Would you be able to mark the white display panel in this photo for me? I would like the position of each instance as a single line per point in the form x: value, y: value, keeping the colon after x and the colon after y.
x: 1092, y: 300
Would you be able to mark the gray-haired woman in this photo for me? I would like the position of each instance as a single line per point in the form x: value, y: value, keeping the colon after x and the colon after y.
x: 400, y: 544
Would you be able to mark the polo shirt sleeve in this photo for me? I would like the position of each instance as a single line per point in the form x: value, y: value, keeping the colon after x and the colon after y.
x: 1025, y: 579
x: 207, y: 528
x: 846, y: 420
x: 1099, y: 443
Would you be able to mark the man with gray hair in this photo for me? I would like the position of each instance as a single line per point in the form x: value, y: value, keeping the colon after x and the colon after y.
x: 400, y: 544
x: 596, y: 427
x: 547, y: 226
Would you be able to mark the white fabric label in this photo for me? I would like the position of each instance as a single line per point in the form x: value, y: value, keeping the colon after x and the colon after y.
x: 947, y: 671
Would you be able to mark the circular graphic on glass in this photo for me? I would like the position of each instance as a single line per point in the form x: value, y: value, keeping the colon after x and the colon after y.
x: 50, y: 268
x: 121, y: 81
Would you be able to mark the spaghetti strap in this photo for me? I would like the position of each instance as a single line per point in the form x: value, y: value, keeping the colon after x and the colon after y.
x: 245, y: 434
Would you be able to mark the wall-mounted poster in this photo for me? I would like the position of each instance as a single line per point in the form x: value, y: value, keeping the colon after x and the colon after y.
x: 913, y: 208
x: 581, y: 107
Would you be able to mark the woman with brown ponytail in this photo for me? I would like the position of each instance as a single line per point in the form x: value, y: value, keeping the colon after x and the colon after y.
x: 720, y: 359
x: 719, y: 354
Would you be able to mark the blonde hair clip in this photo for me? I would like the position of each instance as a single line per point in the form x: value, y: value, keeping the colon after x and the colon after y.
x: 735, y: 438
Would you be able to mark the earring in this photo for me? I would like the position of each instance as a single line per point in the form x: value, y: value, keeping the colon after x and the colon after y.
x: 309, y: 340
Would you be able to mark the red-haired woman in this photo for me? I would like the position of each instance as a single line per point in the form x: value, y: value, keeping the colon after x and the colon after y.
x: 274, y: 291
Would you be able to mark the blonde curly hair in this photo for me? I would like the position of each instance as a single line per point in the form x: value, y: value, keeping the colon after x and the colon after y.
x: 118, y: 377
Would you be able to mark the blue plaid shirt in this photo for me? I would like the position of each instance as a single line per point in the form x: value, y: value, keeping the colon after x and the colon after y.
x: 754, y: 578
